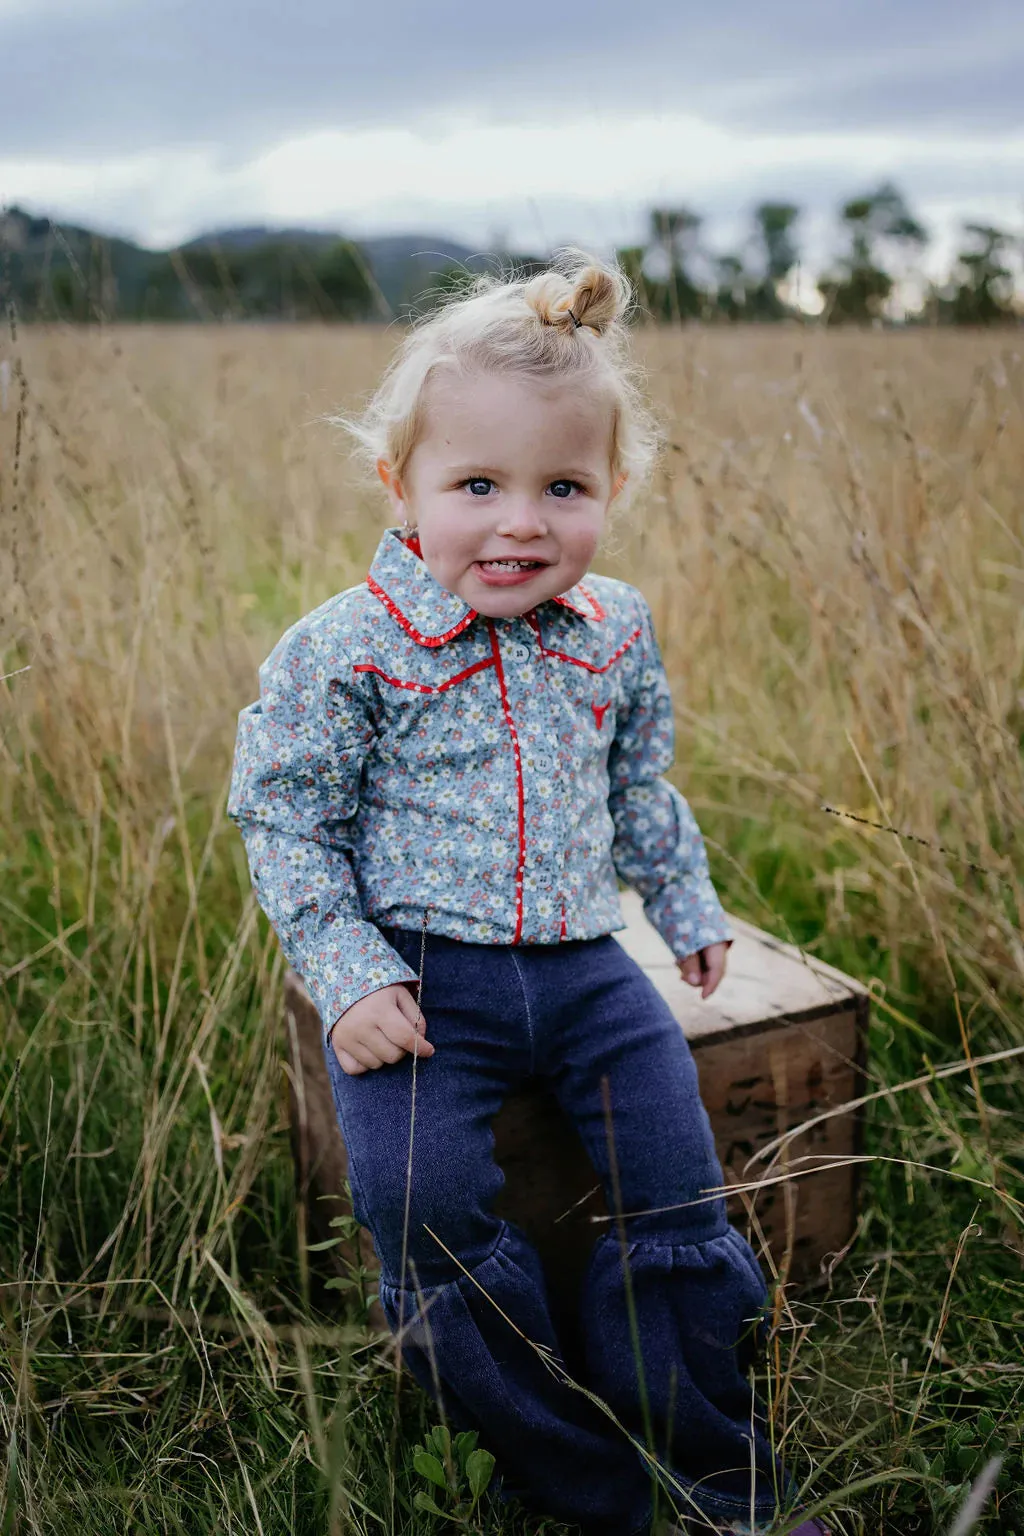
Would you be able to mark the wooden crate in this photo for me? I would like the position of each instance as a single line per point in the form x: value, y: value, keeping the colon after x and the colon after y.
x: 779, y: 1043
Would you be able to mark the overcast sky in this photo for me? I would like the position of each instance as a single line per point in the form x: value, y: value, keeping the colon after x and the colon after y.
x: 540, y: 122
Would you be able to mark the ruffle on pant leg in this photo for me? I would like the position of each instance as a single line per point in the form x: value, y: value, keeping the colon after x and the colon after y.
x: 471, y: 1299
x: 698, y: 1307
x: 555, y: 1450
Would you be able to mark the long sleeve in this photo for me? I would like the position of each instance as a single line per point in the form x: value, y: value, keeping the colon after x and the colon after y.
x: 294, y: 794
x: 658, y: 849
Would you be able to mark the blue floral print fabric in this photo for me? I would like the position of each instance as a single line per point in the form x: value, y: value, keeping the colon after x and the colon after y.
x: 409, y: 757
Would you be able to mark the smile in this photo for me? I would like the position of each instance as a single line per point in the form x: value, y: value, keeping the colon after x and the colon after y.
x: 510, y: 565
x: 507, y: 573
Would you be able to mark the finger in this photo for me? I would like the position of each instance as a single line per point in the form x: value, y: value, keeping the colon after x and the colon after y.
x: 410, y: 1008
x: 413, y: 1013
x: 349, y: 1064
x: 342, y: 1051
x: 714, y: 968
x: 690, y: 970
x: 361, y: 1048
x: 385, y: 1048
x: 400, y: 1032
x: 712, y: 977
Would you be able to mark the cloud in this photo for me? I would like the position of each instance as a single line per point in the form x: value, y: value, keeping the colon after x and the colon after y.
x: 540, y: 184
x: 159, y: 118
x: 91, y: 78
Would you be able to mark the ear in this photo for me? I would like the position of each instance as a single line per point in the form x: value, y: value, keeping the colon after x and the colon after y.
x: 393, y: 486
x: 620, y: 481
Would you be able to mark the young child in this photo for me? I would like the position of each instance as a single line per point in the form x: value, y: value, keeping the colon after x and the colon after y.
x: 454, y: 762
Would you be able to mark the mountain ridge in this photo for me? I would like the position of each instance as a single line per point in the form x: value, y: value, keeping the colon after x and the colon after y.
x: 61, y: 270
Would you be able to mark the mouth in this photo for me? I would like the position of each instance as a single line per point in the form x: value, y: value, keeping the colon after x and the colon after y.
x: 511, y: 565
x: 507, y: 573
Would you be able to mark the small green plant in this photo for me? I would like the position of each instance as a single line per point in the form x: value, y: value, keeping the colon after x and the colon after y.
x: 359, y: 1281
x: 949, y: 1471
x: 458, y: 1474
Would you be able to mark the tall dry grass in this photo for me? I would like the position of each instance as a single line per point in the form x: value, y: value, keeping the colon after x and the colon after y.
x: 834, y: 552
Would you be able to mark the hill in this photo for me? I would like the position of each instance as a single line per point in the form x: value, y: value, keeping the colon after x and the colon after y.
x: 64, y: 271
x: 403, y: 267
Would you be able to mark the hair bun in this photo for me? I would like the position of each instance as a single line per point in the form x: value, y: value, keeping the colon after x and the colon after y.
x: 593, y: 298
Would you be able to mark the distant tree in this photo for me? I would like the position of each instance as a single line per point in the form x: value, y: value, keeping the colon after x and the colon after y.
x: 205, y: 284
x: 274, y: 278
x: 778, y: 252
x: 677, y: 232
x: 63, y: 298
x: 631, y: 259
x: 984, y: 296
x: 269, y: 281
x: 774, y: 223
x: 167, y: 295
x: 882, y: 215
x: 672, y: 286
x: 876, y: 223
x: 340, y: 277
x: 733, y: 288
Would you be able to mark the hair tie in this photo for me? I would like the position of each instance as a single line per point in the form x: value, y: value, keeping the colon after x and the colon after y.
x: 577, y: 323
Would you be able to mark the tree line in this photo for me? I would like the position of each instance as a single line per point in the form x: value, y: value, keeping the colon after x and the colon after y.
x: 876, y: 275
x: 51, y: 272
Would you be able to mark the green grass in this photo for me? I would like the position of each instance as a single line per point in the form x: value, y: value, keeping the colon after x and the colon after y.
x: 165, y: 1370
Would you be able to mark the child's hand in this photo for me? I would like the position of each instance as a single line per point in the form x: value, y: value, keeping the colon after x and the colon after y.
x: 380, y: 1028
x: 705, y: 969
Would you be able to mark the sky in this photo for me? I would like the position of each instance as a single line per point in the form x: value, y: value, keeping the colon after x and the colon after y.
x: 528, y: 126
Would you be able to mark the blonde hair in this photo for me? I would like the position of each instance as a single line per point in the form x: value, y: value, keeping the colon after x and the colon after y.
x: 568, y: 322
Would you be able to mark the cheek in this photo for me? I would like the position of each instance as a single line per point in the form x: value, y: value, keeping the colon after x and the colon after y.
x: 582, y: 538
x: 438, y: 530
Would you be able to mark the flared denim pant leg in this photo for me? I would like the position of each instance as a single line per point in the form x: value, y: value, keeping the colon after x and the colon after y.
x: 624, y: 1073
x: 470, y: 1305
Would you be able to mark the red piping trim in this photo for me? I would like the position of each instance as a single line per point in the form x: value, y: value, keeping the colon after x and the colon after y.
x: 398, y: 682
x: 566, y: 602
x: 397, y: 614
x: 520, y: 797
x: 578, y: 661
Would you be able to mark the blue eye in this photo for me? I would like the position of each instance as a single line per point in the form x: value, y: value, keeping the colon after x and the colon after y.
x: 481, y: 486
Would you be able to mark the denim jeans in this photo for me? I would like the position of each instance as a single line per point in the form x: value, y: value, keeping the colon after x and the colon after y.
x: 573, y: 1014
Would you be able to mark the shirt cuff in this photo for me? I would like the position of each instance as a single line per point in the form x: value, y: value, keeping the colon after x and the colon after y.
x: 689, y: 916
x: 346, y: 966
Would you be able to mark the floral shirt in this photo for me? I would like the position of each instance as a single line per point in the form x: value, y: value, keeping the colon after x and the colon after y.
x: 408, y: 756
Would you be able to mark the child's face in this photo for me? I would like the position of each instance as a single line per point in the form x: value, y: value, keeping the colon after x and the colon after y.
x: 509, y: 487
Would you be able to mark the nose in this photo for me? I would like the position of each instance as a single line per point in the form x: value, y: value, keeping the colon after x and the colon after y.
x: 523, y: 520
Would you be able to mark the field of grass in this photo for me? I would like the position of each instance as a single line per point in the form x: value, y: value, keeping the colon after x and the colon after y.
x: 834, y: 553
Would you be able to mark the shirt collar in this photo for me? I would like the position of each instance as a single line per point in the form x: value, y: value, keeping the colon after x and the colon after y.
x: 427, y: 611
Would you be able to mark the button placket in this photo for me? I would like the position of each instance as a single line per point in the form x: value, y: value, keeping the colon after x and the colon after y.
x: 520, y: 656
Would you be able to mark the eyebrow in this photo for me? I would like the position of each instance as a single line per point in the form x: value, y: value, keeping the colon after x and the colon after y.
x: 476, y: 468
